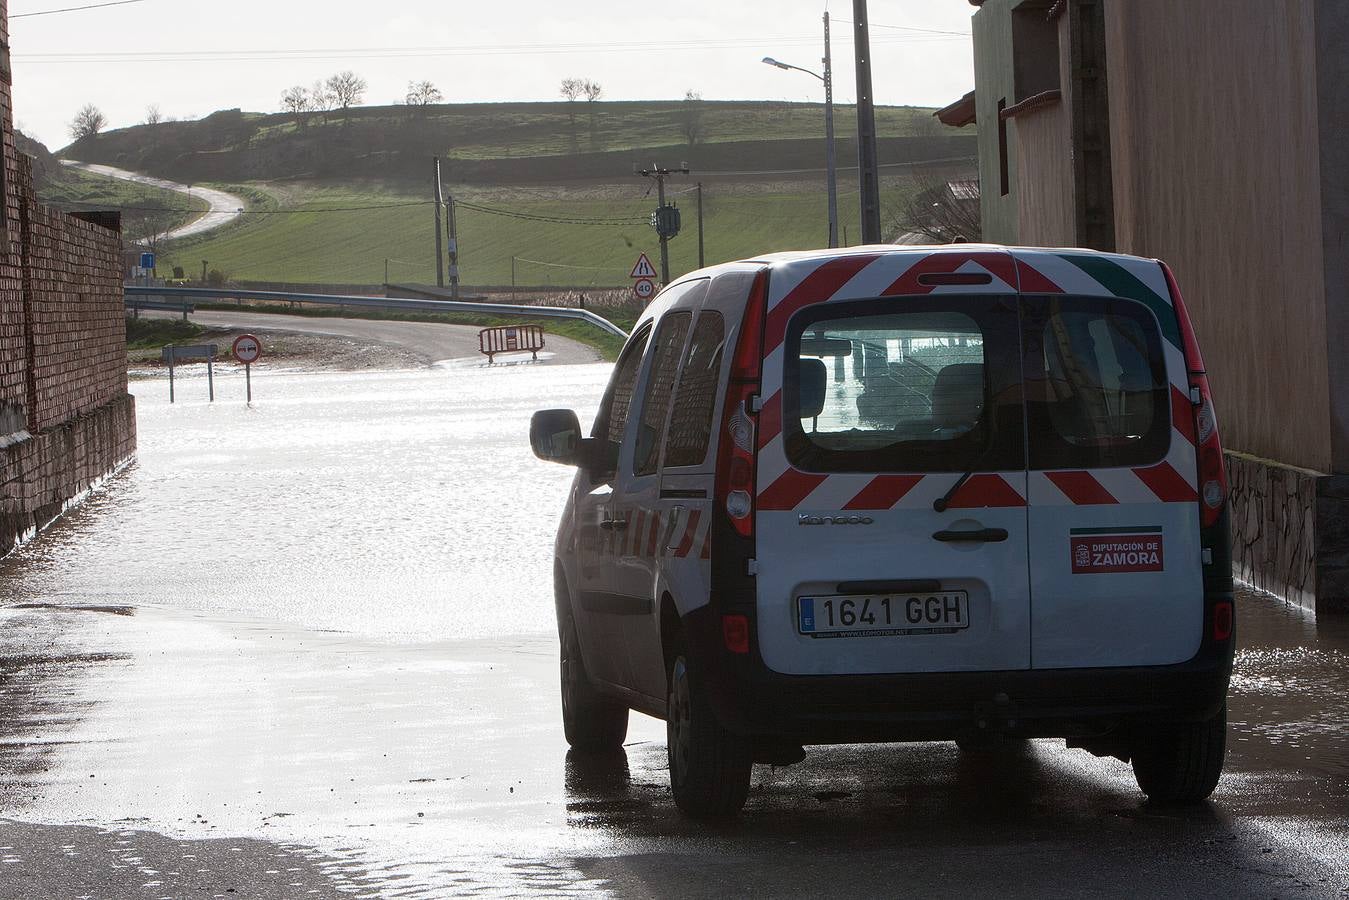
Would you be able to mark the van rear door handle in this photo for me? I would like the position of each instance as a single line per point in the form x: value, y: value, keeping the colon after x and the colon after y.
x: 977, y: 535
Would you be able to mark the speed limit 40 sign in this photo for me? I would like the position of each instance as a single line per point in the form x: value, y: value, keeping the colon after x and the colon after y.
x: 644, y: 288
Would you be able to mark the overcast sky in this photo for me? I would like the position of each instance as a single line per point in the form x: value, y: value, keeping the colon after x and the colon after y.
x: 191, y: 57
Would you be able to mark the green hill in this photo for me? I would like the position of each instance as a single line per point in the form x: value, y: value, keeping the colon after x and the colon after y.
x: 547, y: 191
x: 507, y: 142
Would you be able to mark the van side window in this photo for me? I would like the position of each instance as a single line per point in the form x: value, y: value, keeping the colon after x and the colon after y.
x: 696, y: 397
x: 1096, y: 385
x: 655, y: 408
x: 613, y: 414
x: 930, y: 387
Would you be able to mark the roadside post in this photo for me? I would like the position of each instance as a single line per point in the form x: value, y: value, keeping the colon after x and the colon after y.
x: 643, y: 275
x: 173, y: 352
x: 247, y: 349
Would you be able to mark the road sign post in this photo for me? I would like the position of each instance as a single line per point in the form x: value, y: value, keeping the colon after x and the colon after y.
x: 247, y: 349
x: 173, y: 352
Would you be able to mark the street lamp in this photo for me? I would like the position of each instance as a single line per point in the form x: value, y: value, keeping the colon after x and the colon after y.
x: 831, y: 170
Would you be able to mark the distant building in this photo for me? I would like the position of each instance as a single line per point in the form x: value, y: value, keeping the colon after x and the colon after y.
x: 1215, y: 137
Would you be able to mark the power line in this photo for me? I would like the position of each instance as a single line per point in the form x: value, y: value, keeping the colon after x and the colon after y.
x: 911, y: 28
x: 52, y: 12
x: 329, y: 53
x: 552, y: 265
x: 559, y: 220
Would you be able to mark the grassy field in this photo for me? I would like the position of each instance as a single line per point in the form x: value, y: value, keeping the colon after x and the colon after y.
x: 346, y: 233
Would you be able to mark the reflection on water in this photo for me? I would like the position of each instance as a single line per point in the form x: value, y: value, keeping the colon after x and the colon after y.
x: 399, y: 506
x: 1289, y: 685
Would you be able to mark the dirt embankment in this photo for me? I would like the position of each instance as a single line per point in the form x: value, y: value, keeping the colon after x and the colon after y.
x: 292, y: 350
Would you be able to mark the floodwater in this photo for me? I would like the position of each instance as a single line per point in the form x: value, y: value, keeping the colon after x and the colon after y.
x: 395, y: 506
x: 323, y: 627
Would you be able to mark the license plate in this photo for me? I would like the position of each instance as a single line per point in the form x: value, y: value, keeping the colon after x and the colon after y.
x: 882, y: 615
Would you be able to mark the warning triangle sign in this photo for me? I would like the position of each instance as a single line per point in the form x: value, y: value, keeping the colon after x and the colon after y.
x: 643, y: 269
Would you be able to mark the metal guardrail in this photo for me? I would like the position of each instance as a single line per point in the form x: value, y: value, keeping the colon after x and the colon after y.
x: 136, y: 304
x: 440, y: 306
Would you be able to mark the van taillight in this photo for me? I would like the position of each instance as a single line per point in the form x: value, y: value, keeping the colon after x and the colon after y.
x: 1222, y: 620
x: 1212, y: 471
x: 735, y: 454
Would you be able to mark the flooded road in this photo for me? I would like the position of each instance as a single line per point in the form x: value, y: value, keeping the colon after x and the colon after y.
x: 307, y: 649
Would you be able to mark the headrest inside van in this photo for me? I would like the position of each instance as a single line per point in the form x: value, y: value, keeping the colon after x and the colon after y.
x: 958, y: 395
x: 814, y: 377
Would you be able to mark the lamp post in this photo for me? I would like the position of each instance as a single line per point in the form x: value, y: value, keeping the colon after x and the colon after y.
x: 831, y: 168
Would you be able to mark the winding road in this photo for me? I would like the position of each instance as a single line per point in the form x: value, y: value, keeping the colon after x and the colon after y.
x: 224, y: 207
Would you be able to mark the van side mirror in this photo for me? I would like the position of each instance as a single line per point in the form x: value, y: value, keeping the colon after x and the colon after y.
x: 555, y: 436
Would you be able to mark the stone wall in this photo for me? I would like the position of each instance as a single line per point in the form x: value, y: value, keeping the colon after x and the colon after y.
x: 1273, y: 527
x: 1290, y: 531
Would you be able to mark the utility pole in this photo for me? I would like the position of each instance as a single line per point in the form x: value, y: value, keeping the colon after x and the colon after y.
x: 665, y: 220
x: 453, y: 247
x: 831, y: 166
x: 700, y: 225
x: 440, y: 243
x: 866, y: 128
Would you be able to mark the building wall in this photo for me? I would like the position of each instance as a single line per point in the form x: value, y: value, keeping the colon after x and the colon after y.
x: 1214, y: 122
x: 66, y: 419
x: 1044, y: 177
x: 993, y: 74
x: 1044, y: 168
x: 1332, y: 63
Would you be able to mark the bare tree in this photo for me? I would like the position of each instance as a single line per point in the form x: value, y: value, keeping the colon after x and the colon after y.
x: 692, y: 115
x: 345, y: 90
x: 593, y: 91
x: 152, y: 114
x: 572, y: 89
x: 295, y: 100
x: 320, y: 100
x: 422, y: 94
x: 88, y: 122
x: 943, y: 208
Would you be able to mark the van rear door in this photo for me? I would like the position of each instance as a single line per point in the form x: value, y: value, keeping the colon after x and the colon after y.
x: 876, y: 409
x: 1115, y: 558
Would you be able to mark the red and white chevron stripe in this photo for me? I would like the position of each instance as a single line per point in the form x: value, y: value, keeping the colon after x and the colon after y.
x: 800, y: 282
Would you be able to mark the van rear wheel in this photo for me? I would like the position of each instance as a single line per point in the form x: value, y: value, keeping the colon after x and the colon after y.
x: 709, y: 766
x: 591, y: 722
x: 1181, y: 763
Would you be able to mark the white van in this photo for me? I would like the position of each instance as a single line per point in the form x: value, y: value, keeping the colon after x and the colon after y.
x: 965, y: 493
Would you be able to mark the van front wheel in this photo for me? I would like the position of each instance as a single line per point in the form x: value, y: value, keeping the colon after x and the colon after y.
x: 709, y: 766
x: 1181, y: 763
x: 592, y: 723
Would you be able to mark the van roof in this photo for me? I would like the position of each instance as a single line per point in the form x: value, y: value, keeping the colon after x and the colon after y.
x: 887, y: 269
x: 790, y: 256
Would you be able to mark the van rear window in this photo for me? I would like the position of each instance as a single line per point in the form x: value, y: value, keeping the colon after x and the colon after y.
x: 915, y: 385
x: 1096, y: 386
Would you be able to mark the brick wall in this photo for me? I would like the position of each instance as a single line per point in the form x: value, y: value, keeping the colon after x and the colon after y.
x: 66, y: 419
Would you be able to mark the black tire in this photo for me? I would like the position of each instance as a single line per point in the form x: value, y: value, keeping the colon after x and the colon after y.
x: 1177, y: 764
x: 709, y: 766
x: 591, y: 722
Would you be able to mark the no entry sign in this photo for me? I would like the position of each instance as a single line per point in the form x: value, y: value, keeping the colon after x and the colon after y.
x: 247, y: 349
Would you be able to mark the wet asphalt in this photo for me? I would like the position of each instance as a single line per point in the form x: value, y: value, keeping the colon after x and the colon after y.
x: 306, y: 650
